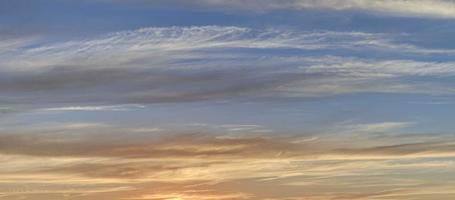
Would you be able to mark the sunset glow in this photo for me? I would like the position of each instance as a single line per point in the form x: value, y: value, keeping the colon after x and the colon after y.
x: 227, y: 100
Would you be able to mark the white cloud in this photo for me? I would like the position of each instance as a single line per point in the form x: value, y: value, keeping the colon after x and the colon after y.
x: 422, y: 8
x: 173, y: 64
x: 161, y: 46
x: 380, y: 68
x: 94, y: 108
x: 165, y: 45
x: 377, y: 127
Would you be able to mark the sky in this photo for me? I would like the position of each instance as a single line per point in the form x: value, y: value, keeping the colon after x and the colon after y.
x: 227, y: 100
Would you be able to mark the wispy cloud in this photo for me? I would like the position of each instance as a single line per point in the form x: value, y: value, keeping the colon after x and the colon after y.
x: 94, y: 108
x: 278, y: 100
x: 372, y: 127
x: 181, y: 164
x: 175, y: 64
x: 415, y: 8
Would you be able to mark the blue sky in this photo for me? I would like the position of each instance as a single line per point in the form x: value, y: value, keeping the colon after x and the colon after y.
x: 50, y: 23
x: 312, y: 81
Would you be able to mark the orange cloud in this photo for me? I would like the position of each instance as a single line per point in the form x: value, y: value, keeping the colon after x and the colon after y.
x: 106, y: 162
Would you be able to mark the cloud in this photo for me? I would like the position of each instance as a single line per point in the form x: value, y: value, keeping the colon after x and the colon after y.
x: 93, y: 108
x: 99, y: 140
x: 64, y: 81
x: 170, y: 44
x: 121, y: 163
x: 415, y: 8
x: 181, y: 64
x: 374, y: 127
x: 203, y: 195
x: 380, y: 68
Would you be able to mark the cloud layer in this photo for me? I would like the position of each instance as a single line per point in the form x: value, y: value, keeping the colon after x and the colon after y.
x: 125, y: 163
x: 227, y: 100
x: 180, y: 64
x: 414, y: 8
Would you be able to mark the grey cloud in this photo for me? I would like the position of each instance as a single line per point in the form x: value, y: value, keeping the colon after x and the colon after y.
x: 178, y: 64
x: 135, y: 86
